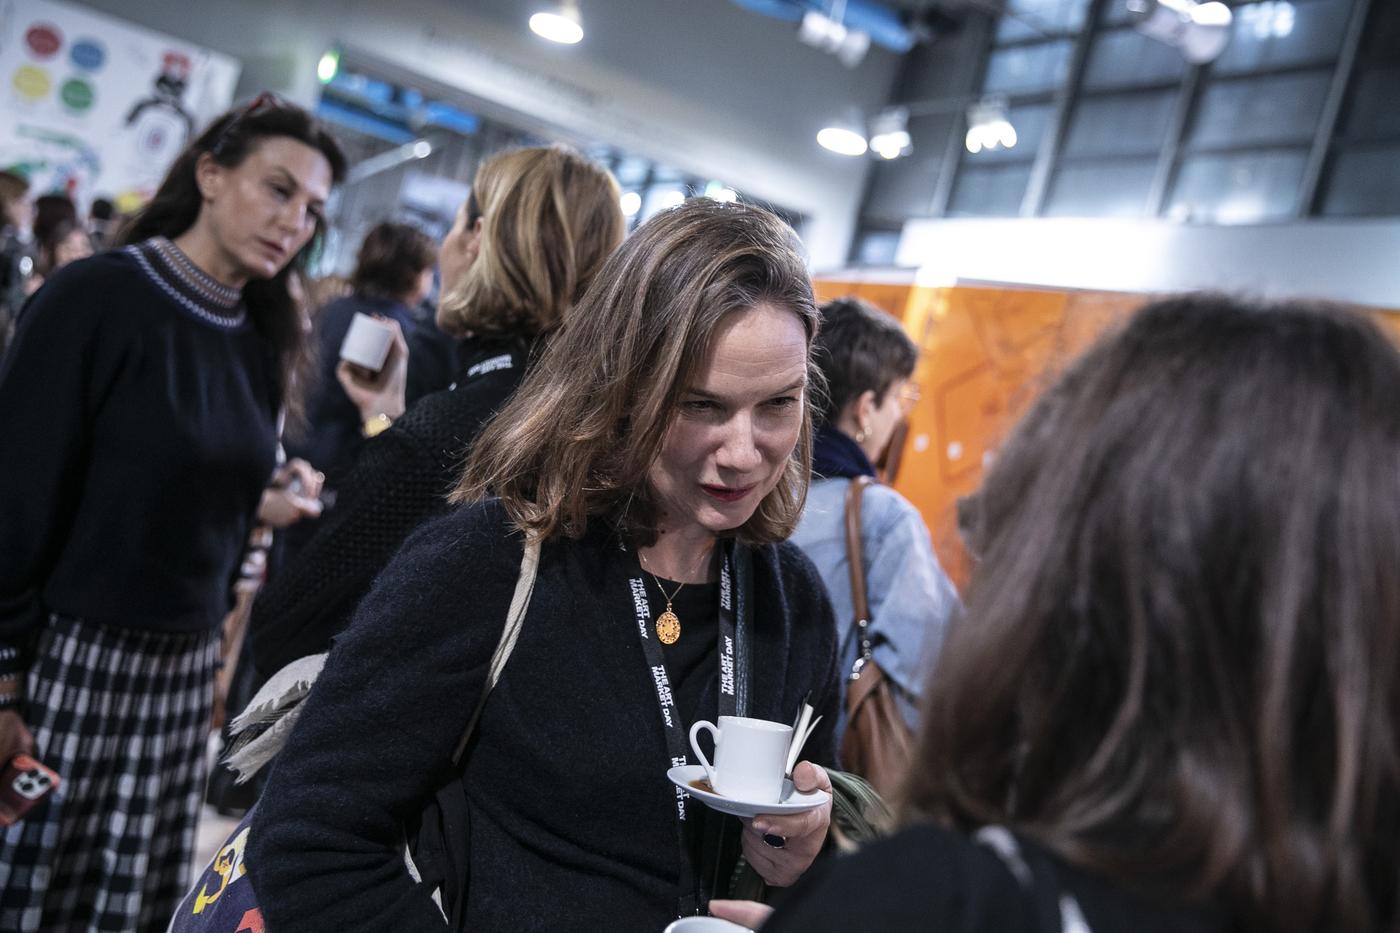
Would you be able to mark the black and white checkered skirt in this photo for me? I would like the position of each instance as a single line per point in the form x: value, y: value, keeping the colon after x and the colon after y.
x: 122, y: 715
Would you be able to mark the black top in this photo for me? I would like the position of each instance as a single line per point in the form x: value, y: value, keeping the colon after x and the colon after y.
x: 572, y: 818
x: 399, y: 480
x: 925, y: 878
x: 334, y: 425
x: 138, y: 407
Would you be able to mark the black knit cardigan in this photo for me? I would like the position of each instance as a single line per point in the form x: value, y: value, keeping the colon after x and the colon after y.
x: 572, y: 817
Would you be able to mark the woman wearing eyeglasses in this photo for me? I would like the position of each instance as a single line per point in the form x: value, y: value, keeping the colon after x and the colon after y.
x: 140, y: 405
x: 867, y: 361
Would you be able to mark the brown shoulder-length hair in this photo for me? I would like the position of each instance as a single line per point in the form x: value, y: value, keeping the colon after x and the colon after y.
x: 580, y: 434
x: 1178, y: 663
x: 550, y: 217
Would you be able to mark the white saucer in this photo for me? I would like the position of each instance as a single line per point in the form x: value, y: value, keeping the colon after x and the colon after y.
x: 682, y: 775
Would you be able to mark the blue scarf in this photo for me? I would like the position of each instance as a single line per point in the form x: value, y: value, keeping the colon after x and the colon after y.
x: 836, y: 454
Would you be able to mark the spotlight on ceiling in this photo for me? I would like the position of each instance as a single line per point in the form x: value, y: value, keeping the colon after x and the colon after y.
x: 989, y: 126
x: 560, y: 23
x: 1199, y: 30
x: 889, y: 133
x: 829, y: 34
x: 845, y: 135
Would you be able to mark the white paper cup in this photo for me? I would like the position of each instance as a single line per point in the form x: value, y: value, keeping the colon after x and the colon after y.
x: 367, y: 342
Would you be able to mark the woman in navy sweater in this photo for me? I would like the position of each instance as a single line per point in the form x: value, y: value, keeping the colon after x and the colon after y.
x: 660, y: 452
x: 140, y: 401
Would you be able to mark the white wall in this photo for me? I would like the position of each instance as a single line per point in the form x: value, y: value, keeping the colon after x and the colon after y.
x: 1357, y: 261
x: 698, y: 84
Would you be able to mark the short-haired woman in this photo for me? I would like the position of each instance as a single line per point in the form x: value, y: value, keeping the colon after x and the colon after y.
x: 868, y: 361
x: 525, y: 245
x: 393, y: 274
x: 660, y: 452
x: 143, y: 389
x: 1171, y: 705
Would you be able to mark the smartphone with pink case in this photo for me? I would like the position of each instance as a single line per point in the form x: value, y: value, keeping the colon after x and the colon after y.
x: 23, y: 784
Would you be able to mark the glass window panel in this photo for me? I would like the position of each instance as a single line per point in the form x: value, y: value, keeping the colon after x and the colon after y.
x: 1101, y: 189
x: 1373, y: 110
x: 1121, y: 124
x: 877, y: 248
x: 1275, y: 109
x: 1239, y: 187
x: 1031, y: 19
x: 1028, y: 68
x: 989, y: 190
x: 1116, y: 13
x: 1030, y: 123
x: 1127, y: 58
x: 1278, y: 33
x: 632, y: 170
x: 1364, y: 183
x: 1381, y: 38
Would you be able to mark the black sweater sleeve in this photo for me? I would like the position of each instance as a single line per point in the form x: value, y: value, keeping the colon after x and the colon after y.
x: 52, y: 382
x: 375, y: 740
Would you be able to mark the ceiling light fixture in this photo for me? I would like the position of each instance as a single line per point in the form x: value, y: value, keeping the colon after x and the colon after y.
x: 1199, y: 30
x: 989, y: 126
x: 845, y: 135
x: 830, y: 34
x: 889, y: 133
x: 560, y: 24
x: 329, y: 66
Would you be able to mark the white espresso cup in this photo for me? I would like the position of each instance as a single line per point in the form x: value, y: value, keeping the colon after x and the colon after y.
x: 704, y: 925
x: 367, y: 342
x: 750, y: 755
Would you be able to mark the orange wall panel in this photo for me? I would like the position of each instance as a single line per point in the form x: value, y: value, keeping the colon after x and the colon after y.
x: 985, y: 353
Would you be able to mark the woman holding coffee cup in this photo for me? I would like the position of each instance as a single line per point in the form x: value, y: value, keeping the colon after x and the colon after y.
x: 659, y: 454
x: 140, y: 403
x: 525, y: 245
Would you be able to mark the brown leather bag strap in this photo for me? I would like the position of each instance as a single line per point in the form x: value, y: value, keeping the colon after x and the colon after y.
x: 855, y: 555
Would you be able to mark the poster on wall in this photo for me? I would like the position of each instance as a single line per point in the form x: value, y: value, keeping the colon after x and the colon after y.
x: 94, y: 106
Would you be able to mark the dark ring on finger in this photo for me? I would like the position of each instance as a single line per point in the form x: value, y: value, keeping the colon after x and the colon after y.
x: 774, y: 841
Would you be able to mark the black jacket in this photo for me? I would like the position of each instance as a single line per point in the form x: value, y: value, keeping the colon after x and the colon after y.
x: 927, y: 878
x: 399, y: 480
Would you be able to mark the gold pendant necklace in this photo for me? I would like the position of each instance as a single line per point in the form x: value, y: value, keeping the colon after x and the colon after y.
x: 668, y: 624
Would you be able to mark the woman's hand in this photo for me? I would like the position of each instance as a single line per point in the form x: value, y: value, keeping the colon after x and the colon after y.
x: 380, y: 393
x: 14, y: 736
x: 749, y: 914
x: 793, y: 839
x: 293, y: 495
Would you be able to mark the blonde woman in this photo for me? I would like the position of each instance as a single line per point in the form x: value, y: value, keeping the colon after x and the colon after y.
x: 660, y: 451
x: 529, y: 239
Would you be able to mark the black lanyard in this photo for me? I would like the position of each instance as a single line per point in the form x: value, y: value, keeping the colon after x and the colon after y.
x: 735, y: 624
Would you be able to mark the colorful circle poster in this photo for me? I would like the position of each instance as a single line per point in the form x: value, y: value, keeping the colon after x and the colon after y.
x: 96, y: 106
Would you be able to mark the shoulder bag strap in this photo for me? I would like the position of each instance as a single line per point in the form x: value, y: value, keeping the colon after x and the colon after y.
x: 515, y: 619
x: 855, y: 554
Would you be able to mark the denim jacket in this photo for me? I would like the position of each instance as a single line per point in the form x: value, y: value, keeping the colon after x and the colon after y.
x: 911, y: 598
